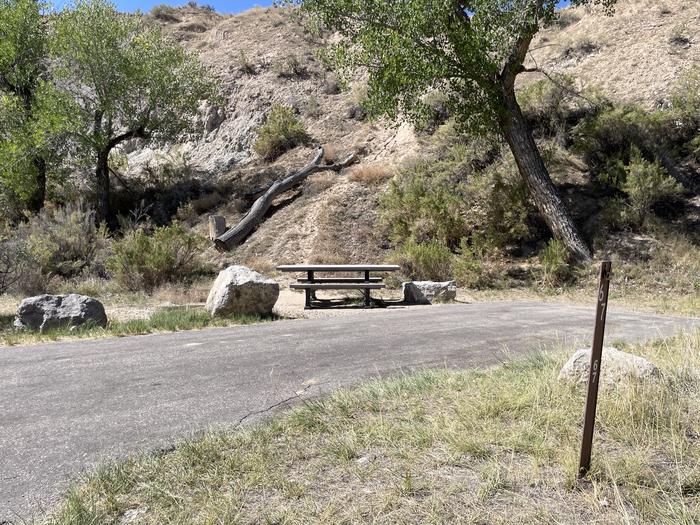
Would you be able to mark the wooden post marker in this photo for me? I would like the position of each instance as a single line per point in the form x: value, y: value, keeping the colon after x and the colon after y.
x: 594, y: 373
x: 217, y: 226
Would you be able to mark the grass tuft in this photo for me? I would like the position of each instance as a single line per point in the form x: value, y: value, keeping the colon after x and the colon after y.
x: 172, y: 319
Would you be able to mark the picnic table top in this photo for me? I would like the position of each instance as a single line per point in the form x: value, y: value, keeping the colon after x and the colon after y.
x: 338, y: 267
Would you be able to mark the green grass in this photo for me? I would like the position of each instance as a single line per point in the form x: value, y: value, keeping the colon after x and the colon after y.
x: 439, y: 446
x: 163, y: 320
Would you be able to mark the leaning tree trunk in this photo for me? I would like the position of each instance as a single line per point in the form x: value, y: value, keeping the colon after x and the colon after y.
x: 519, y: 137
x: 102, y: 209
x: 255, y: 215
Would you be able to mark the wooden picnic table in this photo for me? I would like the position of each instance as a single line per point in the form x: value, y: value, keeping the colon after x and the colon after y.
x: 311, y: 284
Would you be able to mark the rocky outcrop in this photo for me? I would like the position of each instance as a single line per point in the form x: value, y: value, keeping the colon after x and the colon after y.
x: 241, y: 291
x: 616, y: 366
x: 429, y: 292
x: 45, y: 312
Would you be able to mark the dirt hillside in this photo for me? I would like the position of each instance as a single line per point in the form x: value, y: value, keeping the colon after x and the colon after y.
x: 264, y: 57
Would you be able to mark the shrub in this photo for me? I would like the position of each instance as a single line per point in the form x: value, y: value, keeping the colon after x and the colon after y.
x: 66, y: 242
x: 143, y: 262
x: 508, y: 209
x: 685, y: 95
x: 554, y: 261
x: 646, y: 184
x: 290, y: 67
x: 550, y: 104
x: 282, y: 132
x: 430, y: 261
x: 244, y: 64
x: 580, y: 48
x: 165, y: 13
x: 606, y: 139
x: 370, y: 174
x: 453, y: 196
x: 436, y: 111
x: 15, y: 263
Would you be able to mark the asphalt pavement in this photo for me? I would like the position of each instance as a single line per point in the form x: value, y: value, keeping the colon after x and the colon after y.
x: 65, y: 407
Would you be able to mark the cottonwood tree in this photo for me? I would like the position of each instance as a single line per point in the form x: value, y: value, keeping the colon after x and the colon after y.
x: 472, y: 51
x: 24, y: 94
x: 127, y: 81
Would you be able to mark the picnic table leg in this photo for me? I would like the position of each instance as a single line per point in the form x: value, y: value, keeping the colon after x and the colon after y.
x: 309, y: 293
x: 368, y: 299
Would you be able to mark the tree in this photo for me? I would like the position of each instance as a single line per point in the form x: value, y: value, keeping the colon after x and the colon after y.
x: 470, y: 50
x: 127, y: 82
x: 23, y: 39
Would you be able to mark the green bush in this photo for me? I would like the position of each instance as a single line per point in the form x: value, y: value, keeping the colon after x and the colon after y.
x: 143, y: 261
x: 430, y: 261
x: 282, y: 132
x: 15, y: 263
x: 548, y: 104
x: 66, y: 242
x: 165, y: 13
x: 646, y: 184
x: 455, y: 196
x: 685, y: 95
x: 606, y: 139
x: 290, y: 67
x: 554, y: 262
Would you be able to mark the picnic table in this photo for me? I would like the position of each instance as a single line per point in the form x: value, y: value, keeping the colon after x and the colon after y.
x: 311, y: 284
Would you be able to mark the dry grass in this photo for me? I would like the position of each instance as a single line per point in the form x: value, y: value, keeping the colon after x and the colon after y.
x: 167, y: 319
x: 440, y: 446
x: 370, y: 174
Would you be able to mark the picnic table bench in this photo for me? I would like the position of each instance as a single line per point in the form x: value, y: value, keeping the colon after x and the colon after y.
x: 311, y: 284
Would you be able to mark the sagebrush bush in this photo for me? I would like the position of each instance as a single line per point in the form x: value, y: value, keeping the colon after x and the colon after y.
x: 430, y: 261
x: 290, y: 67
x: 144, y: 261
x: 436, y: 111
x: 454, y: 196
x: 685, y: 95
x: 647, y: 183
x: 549, y: 104
x: 281, y: 132
x: 66, y: 242
x: 165, y: 13
x: 606, y: 139
x: 15, y: 263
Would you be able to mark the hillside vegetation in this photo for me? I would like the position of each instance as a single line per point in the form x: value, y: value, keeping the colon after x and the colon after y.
x: 616, y: 116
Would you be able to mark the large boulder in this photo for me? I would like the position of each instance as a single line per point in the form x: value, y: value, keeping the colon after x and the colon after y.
x: 616, y: 367
x: 45, y: 312
x: 429, y: 292
x: 240, y: 290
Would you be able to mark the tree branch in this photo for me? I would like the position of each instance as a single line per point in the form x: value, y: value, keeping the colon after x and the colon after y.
x: 137, y: 133
x: 247, y: 224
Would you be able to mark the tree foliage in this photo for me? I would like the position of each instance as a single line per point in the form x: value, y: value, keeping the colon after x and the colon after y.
x: 461, y: 48
x: 469, y: 50
x: 23, y: 40
x: 126, y: 81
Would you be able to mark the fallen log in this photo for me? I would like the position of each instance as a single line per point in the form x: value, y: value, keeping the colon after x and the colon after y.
x: 240, y: 232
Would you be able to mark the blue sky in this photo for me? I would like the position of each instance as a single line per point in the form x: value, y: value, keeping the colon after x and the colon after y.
x: 223, y: 6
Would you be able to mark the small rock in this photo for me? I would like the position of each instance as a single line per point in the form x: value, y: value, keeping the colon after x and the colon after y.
x: 241, y: 291
x: 366, y: 459
x: 429, y: 292
x: 131, y: 515
x: 616, y: 366
x: 44, y: 312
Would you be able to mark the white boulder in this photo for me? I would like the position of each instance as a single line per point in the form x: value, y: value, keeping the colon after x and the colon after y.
x: 429, y: 292
x: 44, y: 312
x: 241, y: 291
x: 616, y: 367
